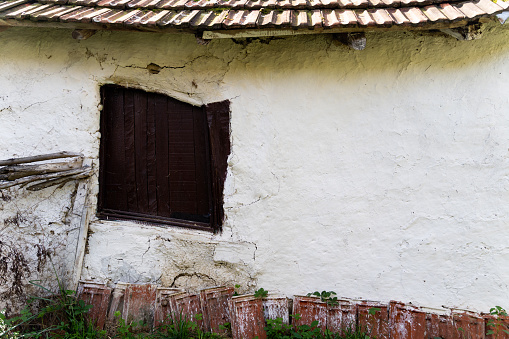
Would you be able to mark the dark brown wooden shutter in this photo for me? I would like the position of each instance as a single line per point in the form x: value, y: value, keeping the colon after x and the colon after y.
x: 155, y: 162
x: 218, y: 118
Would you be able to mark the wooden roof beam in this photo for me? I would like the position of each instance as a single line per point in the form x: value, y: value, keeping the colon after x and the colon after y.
x: 468, y: 32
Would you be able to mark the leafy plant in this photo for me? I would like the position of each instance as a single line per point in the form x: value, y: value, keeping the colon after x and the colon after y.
x: 373, y: 310
x: 6, y: 327
x: 60, y: 315
x: 235, y: 292
x: 496, y: 325
x: 326, y: 297
x: 277, y: 329
x: 261, y: 293
x: 179, y: 327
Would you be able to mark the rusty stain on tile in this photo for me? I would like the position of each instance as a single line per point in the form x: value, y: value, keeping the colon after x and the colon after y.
x: 310, y: 309
x: 468, y: 324
x: 374, y: 319
x: 215, y: 307
x: 139, y: 304
x: 342, y: 317
x: 439, y: 325
x: 163, y: 306
x: 406, y: 321
x: 97, y: 295
x: 497, y: 326
x: 247, y: 317
x: 187, y: 306
x: 276, y: 307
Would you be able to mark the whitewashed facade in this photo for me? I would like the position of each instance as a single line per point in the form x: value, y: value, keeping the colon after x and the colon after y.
x: 380, y: 174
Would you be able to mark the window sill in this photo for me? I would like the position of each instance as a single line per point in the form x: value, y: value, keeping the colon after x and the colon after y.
x: 113, y: 215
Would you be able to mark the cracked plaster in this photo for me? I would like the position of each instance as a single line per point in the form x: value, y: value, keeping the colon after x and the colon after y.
x: 379, y: 174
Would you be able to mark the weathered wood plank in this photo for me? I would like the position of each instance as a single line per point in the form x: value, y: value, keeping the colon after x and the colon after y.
x: 15, y: 161
x: 26, y: 180
x: 14, y: 172
x: 60, y: 181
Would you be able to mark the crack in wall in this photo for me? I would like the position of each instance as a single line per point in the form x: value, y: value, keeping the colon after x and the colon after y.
x: 200, y: 276
x: 148, y: 249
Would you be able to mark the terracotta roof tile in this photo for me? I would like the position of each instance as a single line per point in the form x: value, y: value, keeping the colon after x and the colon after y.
x: 270, y: 4
x: 52, y: 14
x: 451, y: 12
x: 330, y: 19
x: 200, y: 4
x: 365, y: 19
x: 202, y: 19
x: 314, y: 3
x: 233, y: 19
x: 248, y: 14
x: 469, y: 9
x: 501, y: 3
x: 89, y: 3
x: 145, y: 4
x: 434, y: 14
x: 5, y: 5
x: 115, y: 17
x: 375, y: 3
x: 23, y: 11
x: 166, y: 19
x: 172, y: 4
x: 216, y: 21
x: 415, y: 15
x: 266, y: 19
x: 398, y: 17
x: 345, y: 4
x: 54, y: 2
x: 299, y: 19
x: 233, y: 4
x: 284, y: 4
x: 282, y: 18
x: 381, y: 17
x: 391, y: 3
x: 315, y: 18
x: 298, y: 4
x: 347, y: 17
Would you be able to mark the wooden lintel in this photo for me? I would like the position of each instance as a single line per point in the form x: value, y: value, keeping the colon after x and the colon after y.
x: 82, y: 34
x: 468, y: 32
x: 354, y: 40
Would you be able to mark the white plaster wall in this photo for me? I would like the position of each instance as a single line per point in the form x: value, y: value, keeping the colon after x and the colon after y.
x: 380, y: 174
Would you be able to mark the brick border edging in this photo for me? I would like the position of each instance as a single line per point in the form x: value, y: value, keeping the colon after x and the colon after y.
x: 151, y: 304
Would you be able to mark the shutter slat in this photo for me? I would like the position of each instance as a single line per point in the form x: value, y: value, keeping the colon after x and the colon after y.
x: 130, y: 155
x: 162, y: 151
x: 140, y: 145
x: 151, y: 154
